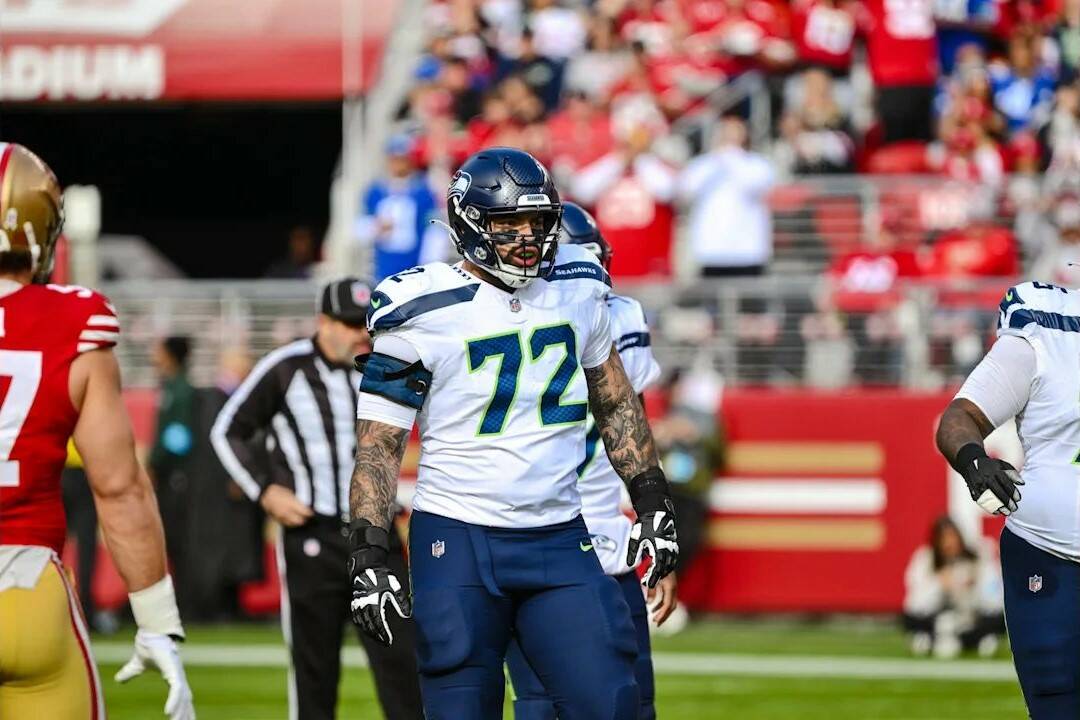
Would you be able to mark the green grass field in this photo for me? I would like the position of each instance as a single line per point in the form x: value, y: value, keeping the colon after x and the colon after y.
x: 843, y: 670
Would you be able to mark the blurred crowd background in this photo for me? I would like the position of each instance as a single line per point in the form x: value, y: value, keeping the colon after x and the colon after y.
x: 819, y: 203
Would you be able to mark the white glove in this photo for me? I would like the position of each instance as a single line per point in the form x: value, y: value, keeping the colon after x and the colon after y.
x: 160, y: 651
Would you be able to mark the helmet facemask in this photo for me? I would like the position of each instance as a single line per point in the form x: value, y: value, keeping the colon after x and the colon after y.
x: 503, y: 248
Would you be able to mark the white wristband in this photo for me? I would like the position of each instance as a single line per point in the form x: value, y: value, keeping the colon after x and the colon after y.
x: 155, y: 609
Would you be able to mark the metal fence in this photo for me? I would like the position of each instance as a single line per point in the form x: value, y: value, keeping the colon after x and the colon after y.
x: 817, y: 218
x: 773, y: 330
x: 782, y: 329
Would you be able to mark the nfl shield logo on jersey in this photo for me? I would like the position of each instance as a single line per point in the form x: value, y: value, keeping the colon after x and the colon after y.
x: 438, y: 548
x: 515, y: 305
x: 1035, y: 583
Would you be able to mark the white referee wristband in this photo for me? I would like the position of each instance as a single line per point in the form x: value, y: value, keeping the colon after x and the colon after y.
x: 155, y: 609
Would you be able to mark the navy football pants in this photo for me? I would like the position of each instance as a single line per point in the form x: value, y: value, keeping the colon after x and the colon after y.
x: 475, y: 587
x: 532, y: 702
x: 1042, y: 612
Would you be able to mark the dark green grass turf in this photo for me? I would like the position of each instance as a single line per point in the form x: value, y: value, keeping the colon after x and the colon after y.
x: 227, y: 693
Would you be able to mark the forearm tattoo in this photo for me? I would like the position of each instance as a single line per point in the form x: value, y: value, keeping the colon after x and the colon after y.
x: 620, y: 417
x: 379, y: 450
x: 961, y: 423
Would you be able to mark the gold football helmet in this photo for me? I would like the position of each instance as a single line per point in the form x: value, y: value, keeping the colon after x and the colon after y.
x: 31, y: 208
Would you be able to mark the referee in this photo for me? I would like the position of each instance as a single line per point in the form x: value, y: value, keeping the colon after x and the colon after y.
x: 287, y: 437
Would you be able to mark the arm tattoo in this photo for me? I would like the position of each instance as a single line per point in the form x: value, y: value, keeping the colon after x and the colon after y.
x: 621, y: 418
x: 379, y: 450
x: 961, y: 423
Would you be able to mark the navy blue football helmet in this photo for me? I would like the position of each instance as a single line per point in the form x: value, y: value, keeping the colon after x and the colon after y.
x: 579, y: 228
x: 494, y: 190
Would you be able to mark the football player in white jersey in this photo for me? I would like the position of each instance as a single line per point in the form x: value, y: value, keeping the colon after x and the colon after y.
x: 1031, y: 373
x: 498, y: 359
x: 602, y: 494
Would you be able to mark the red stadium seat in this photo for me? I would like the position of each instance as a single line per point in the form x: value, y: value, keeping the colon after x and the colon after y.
x: 901, y: 158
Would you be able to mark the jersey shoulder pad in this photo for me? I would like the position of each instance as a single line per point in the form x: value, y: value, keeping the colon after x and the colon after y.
x: 88, y: 313
x: 1036, y: 304
x: 574, y: 263
x: 628, y: 326
x: 401, y: 299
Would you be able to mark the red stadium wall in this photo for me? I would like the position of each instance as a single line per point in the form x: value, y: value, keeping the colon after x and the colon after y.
x: 865, y: 460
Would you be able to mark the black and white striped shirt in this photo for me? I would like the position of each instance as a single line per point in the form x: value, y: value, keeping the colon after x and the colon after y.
x: 292, y: 422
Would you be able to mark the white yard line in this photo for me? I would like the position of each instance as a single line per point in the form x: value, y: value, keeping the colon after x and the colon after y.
x: 821, y: 666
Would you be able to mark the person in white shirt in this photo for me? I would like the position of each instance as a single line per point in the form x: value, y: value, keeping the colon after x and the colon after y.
x: 1031, y: 373
x: 726, y: 191
x: 952, y: 595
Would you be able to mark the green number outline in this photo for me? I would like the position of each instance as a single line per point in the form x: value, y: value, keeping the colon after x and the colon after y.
x: 495, y: 387
x: 558, y: 366
x: 517, y: 379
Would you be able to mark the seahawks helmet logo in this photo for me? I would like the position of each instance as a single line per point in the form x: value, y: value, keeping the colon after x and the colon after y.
x: 460, y: 185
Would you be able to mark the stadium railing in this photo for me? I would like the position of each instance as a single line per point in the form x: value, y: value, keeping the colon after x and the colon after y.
x: 784, y: 329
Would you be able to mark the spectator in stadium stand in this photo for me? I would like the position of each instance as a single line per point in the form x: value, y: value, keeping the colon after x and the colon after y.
x: 1058, y: 261
x: 901, y: 47
x: 560, y: 31
x: 456, y: 79
x: 865, y: 287
x: 542, y: 74
x: 631, y: 190
x: 982, y: 249
x: 953, y: 599
x: 579, y: 134
x: 396, y: 212
x: 816, y: 135
x: 606, y: 59
x: 169, y: 461
x: 971, y: 22
x: 1023, y: 90
x: 1066, y: 38
x: 303, y: 251
x: 966, y: 151
x: 824, y: 32
x: 726, y: 192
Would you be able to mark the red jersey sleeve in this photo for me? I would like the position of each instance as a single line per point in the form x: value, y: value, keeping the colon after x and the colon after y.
x: 98, y: 326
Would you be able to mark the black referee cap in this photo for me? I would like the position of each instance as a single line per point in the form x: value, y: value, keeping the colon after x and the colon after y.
x: 346, y: 300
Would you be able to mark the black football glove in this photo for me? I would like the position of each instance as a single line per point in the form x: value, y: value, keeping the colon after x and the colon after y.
x: 654, y: 532
x: 991, y: 482
x: 374, y: 585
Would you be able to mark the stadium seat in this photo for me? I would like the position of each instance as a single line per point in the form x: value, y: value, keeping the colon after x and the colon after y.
x: 899, y: 158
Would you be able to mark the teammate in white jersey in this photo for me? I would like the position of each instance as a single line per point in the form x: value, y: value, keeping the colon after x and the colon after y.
x: 498, y: 359
x: 602, y: 493
x: 1031, y: 373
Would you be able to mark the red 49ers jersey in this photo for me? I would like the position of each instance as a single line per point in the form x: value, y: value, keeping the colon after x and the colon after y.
x: 43, y: 329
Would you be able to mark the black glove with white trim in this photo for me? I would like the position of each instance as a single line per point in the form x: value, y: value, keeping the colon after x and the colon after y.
x: 654, y: 532
x: 991, y: 482
x: 374, y: 585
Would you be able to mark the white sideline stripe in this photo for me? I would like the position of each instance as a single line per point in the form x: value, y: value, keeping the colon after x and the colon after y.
x: 768, y: 496
x: 822, y: 666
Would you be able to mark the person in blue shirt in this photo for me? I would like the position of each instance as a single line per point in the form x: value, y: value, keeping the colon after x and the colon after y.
x: 1023, y: 91
x: 395, y: 214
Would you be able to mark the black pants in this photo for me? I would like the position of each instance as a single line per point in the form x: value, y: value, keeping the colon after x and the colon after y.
x: 314, y: 612
x: 906, y: 112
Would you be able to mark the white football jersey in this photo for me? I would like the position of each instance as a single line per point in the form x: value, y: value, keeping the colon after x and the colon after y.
x: 502, y: 430
x: 602, y: 490
x: 1048, y: 317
